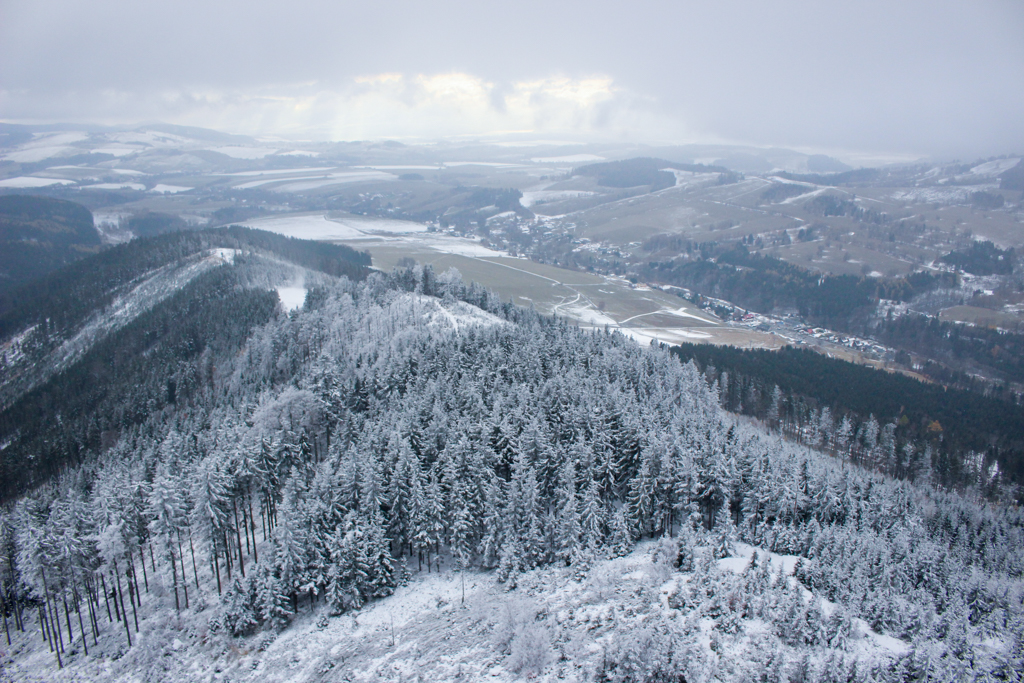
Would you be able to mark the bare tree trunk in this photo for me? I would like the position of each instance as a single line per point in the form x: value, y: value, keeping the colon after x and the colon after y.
x: 252, y: 529
x: 17, y: 606
x: 127, y: 629
x: 192, y: 551
x: 106, y: 599
x: 181, y: 558
x: 92, y: 612
x: 81, y: 625
x: 59, y: 645
x: 227, y: 554
x: 67, y: 618
x: 174, y: 578
x: 216, y: 564
x: 245, y: 528
x: 133, y: 597
x: 142, y: 559
x: 54, y: 646
x: 134, y: 575
x: 3, y: 598
x: 43, y: 629
x: 238, y: 538
x: 263, y: 519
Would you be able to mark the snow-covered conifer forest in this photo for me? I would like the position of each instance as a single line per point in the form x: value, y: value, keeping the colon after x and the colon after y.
x: 408, y: 479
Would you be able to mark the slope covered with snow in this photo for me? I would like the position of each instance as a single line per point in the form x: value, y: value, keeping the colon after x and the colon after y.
x: 320, y: 501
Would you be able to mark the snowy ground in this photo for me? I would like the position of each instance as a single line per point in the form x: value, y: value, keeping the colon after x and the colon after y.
x: 535, y: 197
x: 941, y: 195
x: 28, y: 181
x: 115, y: 186
x: 316, y: 182
x: 108, y: 225
x: 690, y: 179
x: 292, y: 297
x: 277, y: 171
x: 169, y: 189
x: 456, y: 315
x: 426, y: 631
x: 568, y: 159
x: 458, y: 246
x: 665, y: 335
x: 994, y: 168
x: 319, y: 227
x: 238, y: 152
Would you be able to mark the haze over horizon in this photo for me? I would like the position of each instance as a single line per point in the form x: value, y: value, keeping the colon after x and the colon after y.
x: 919, y: 79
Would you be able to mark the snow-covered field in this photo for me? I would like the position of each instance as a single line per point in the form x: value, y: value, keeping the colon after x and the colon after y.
x: 941, y: 195
x: 691, y: 179
x: 490, y: 164
x: 340, y: 178
x: 458, y: 246
x: 308, y: 227
x: 237, y: 152
x: 115, y: 186
x: 265, y: 181
x: 402, y: 167
x: 45, y: 146
x: 802, y: 197
x: 117, y: 151
x: 318, y: 227
x: 994, y: 168
x: 671, y: 335
x: 292, y: 297
x: 35, y: 154
x: 301, y: 183
x: 586, y: 314
x: 277, y: 171
x: 149, y: 138
x: 568, y: 159
x: 169, y: 189
x: 543, y: 196
x: 28, y: 181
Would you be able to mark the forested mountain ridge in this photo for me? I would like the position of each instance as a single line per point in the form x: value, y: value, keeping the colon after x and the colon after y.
x: 117, y: 336
x: 39, y: 235
x: 64, y: 298
x: 887, y: 421
x: 411, y: 421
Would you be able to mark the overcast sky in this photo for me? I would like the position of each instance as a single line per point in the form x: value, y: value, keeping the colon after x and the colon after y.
x: 929, y: 77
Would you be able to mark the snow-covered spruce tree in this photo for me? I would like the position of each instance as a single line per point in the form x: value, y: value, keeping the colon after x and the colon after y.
x: 167, y: 512
x: 209, y: 513
x: 291, y: 542
x: 568, y: 530
x: 238, y: 612
x: 273, y: 597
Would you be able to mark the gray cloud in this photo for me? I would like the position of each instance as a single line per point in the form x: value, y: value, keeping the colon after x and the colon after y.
x: 937, y: 77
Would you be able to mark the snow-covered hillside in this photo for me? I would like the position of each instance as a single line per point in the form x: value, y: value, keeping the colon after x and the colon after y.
x: 317, y: 503
x: 617, y: 618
